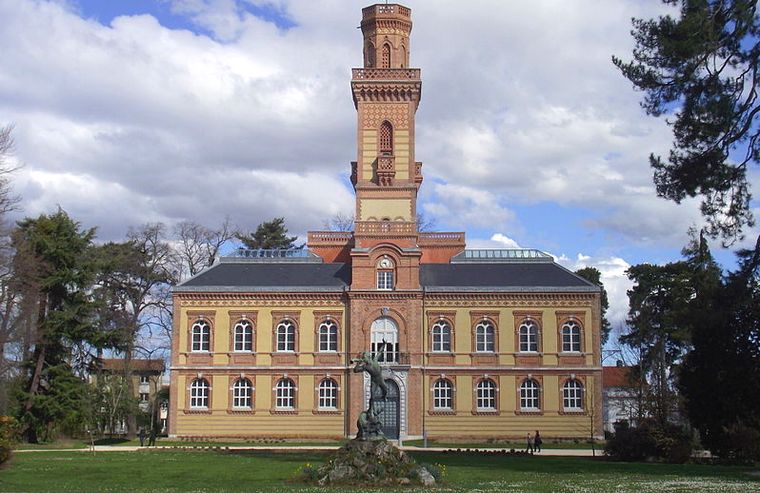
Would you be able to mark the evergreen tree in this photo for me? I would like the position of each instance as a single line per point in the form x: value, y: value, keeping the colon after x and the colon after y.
x: 593, y: 275
x: 61, y: 274
x: 720, y: 379
x: 269, y: 235
x: 659, y: 331
x: 703, y: 67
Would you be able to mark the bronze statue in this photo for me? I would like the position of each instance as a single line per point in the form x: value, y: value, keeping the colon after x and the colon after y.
x: 369, y: 425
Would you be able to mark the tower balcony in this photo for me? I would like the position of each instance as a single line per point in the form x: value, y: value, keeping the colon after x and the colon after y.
x: 383, y: 10
x: 385, y: 74
x: 386, y: 170
x: 383, y: 228
x: 418, y: 173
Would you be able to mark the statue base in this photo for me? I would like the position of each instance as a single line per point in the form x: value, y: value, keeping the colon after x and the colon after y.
x: 372, y: 462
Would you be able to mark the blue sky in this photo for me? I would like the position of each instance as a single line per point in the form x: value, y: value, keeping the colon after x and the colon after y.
x: 139, y: 111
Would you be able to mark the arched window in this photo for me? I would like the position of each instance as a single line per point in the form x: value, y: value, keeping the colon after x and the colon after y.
x: 201, y: 336
x: 384, y: 340
x: 243, y: 336
x: 571, y: 337
x: 442, y: 394
x: 385, y: 60
x: 572, y: 396
x: 242, y: 394
x: 328, y: 394
x: 386, y: 138
x: 441, y: 337
x: 328, y: 336
x: 529, y: 395
x: 199, y: 391
x: 403, y: 56
x: 486, y: 395
x: 286, y: 336
x: 285, y: 394
x: 528, y: 337
x: 484, y: 337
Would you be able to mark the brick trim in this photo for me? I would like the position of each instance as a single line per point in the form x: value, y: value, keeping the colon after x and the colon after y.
x: 431, y: 384
x: 275, y: 380
x: 318, y: 379
x: 441, y: 316
x: 582, y: 380
x: 539, y: 379
x: 188, y: 395
x: 232, y: 379
x: 194, y: 316
x: 577, y: 317
x: 521, y: 316
x: 237, y: 316
x: 281, y: 316
x: 319, y: 318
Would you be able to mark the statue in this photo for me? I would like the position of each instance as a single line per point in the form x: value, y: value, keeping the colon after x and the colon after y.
x: 369, y: 425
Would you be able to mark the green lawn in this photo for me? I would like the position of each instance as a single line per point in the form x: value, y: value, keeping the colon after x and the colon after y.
x: 207, y: 471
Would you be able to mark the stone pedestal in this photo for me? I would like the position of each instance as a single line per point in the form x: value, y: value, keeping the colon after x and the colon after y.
x: 372, y: 462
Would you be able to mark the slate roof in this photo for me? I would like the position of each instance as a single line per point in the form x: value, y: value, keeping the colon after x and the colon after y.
x: 137, y: 365
x: 507, y: 276
x: 270, y: 276
x: 330, y: 277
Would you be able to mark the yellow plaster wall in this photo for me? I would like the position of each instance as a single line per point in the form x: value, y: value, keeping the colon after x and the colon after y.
x: 392, y: 208
x: 401, y: 152
x: 369, y: 152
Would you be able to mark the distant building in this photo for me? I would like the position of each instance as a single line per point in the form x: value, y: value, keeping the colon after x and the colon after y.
x: 475, y: 344
x: 147, y: 380
x: 619, y: 396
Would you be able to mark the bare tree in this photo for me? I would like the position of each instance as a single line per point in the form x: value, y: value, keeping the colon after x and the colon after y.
x: 198, y: 245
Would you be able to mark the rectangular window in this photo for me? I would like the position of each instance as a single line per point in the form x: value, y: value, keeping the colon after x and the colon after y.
x: 385, y: 280
x: 486, y: 398
x: 143, y: 397
x: 144, y: 379
x: 328, y: 397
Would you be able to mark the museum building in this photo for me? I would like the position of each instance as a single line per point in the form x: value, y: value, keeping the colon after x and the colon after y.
x: 474, y: 344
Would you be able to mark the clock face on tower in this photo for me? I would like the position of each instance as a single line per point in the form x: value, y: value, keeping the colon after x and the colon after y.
x: 385, y: 263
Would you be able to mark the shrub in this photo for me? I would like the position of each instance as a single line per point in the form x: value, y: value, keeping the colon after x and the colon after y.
x: 738, y: 444
x: 438, y: 471
x: 670, y: 443
x: 9, y: 430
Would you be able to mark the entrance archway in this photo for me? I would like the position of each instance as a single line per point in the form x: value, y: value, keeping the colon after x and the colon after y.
x: 390, y: 417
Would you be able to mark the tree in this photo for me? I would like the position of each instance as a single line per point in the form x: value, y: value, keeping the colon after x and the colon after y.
x: 268, y: 235
x: 58, y: 250
x: 593, y: 275
x: 703, y: 68
x: 720, y: 379
x: 659, y: 330
x: 199, y: 245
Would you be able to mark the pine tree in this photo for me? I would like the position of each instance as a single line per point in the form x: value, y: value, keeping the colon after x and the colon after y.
x: 703, y: 67
x: 269, y: 235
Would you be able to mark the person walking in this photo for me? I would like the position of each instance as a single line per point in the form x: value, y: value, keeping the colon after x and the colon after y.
x: 537, y: 442
x: 141, y: 436
x: 529, y: 448
x: 152, y: 439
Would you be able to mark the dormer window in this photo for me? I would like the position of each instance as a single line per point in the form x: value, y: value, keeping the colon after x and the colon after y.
x: 385, y: 274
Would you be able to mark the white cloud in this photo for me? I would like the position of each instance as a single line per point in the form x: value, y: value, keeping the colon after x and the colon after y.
x: 522, y: 105
x: 497, y: 240
x: 614, y: 279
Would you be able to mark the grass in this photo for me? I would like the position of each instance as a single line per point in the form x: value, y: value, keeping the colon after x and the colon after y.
x: 228, y: 472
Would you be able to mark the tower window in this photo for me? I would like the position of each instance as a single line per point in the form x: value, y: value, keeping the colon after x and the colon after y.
x: 386, y: 138
x: 385, y: 280
x: 385, y: 60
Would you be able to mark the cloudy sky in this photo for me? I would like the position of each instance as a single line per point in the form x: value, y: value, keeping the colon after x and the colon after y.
x: 134, y: 111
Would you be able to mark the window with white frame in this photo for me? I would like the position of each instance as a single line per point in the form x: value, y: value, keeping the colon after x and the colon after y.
x: 529, y: 395
x: 286, y: 336
x: 486, y: 395
x: 144, y: 379
x: 384, y: 340
x: 385, y: 280
x: 442, y: 394
x: 572, y: 396
x: 571, y: 337
x: 199, y: 391
x: 243, y: 336
x: 528, y: 337
x: 484, y: 337
x: 441, y: 337
x: 285, y: 394
x: 242, y: 394
x: 328, y: 336
x: 201, y: 336
x: 328, y: 394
